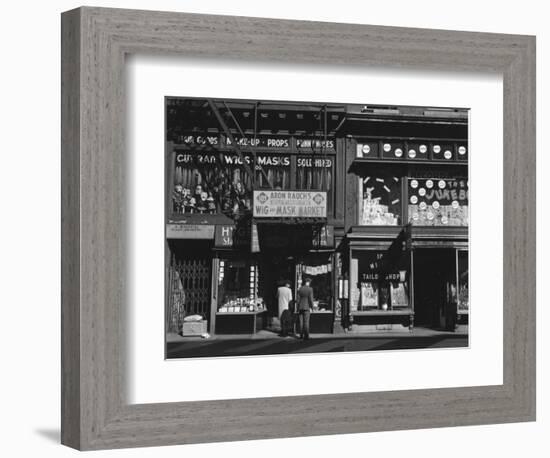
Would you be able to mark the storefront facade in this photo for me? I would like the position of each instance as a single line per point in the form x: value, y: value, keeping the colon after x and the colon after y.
x: 259, y: 194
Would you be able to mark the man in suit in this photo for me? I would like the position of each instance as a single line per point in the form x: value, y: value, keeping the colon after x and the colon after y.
x: 304, y: 300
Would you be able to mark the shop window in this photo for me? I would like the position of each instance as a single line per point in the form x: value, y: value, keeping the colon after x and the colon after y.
x: 277, y: 171
x: 211, y: 183
x: 316, y: 172
x: 319, y: 269
x: 380, y: 201
x: 379, y: 281
x: 463, y: 291
x: 238, y: 286
x: 438, y: 202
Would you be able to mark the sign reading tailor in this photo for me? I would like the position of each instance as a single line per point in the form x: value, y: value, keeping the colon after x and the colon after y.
x: 290, y: 204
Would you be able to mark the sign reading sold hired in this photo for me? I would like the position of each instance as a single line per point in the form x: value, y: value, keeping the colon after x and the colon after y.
x: 290, y: 204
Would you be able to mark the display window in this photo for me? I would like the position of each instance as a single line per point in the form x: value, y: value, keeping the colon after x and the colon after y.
x: 379, y: 281
x: 238, y: 286
x: 438, y: 201
x: 316, y: 172
x: 380, y: 201
x: 209, y: 183
x: 319, y: 269
x: 276, y: 171
x: 463, y: 291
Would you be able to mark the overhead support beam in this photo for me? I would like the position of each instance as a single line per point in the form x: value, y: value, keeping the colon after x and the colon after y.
x: 234, y: 144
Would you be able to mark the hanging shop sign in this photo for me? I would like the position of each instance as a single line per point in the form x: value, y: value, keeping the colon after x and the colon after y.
x: 254, y: 239
x: 190, y: 231
x: 290, y: 204
x: 230, y: 235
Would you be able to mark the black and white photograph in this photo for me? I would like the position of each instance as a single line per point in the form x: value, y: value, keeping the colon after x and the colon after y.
x: 308, y: 227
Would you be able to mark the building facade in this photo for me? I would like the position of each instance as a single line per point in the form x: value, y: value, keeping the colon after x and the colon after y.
x: 371, y: 203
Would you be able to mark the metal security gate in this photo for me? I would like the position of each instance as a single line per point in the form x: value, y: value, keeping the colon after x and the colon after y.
x: 189, y: 281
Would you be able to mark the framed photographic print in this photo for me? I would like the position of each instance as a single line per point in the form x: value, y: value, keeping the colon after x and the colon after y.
x: 292, y: 207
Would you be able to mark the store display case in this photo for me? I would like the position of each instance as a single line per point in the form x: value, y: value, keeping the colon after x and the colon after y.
x: 240, y: 310
x: 319, y: 268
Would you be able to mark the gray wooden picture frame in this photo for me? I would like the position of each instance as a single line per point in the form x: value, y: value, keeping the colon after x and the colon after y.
x: 95, y: 412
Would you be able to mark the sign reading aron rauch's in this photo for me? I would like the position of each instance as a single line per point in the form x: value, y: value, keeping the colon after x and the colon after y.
x: 290, y: 204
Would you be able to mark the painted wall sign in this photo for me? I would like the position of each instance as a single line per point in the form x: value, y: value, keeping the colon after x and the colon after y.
x: 189, y: 231
x: 193, y: 158
x: 268, y: 142
x: 314, y: 143
x: 290, y: 204
x: 200, y: 139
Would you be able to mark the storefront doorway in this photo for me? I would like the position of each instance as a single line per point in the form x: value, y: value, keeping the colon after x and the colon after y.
x: 435, y: 288
x: 275, y: 269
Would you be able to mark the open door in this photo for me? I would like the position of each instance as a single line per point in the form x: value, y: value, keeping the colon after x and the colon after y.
x: 435, y: 288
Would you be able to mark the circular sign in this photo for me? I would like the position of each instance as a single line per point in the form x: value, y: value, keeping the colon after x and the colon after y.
x: 421, y: 192
x: 414, y: 184
x: 412, y: 153
x: 437, y: 149
x: 423, y: 149
x: 414, y: 200
x: 447, y: 154
x: 444, y: 220
x: 366, y: 149
x: 387, y: 147
x: 455, y: 204
x: 422, y: 206
x: 398, y: 152
x: 462, y: 150
x: 429, y: 184
x: 435, y: 204
x: 430, y: 216
x: 441, y: 184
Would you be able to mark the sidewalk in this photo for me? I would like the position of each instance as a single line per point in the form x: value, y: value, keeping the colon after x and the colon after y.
x: 269, y: 343
x: 265, y: 334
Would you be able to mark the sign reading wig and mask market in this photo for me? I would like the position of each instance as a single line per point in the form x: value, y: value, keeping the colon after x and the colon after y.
x: 290, y: 204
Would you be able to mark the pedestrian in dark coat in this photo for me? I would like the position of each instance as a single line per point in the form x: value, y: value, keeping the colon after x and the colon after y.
x: 304, y: 300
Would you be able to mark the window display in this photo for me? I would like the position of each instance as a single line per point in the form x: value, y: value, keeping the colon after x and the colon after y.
x: 316, y: 172
x: 380, y: 201
x: 319, y: 269
x: 378, y: 282
x: 438, y: 201
x: 238, y: 286
x: 463, y: 292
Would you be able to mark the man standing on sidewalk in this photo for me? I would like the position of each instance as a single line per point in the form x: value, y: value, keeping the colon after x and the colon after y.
x: 305, y: 305
x: 284, y: 296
